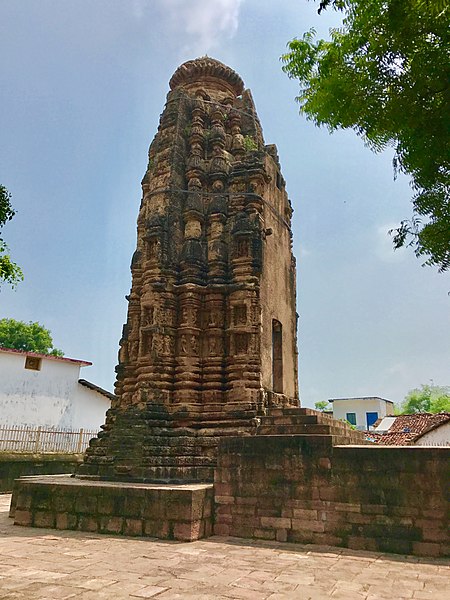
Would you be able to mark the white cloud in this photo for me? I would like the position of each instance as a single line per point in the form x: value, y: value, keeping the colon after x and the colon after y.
x: 202, y: 24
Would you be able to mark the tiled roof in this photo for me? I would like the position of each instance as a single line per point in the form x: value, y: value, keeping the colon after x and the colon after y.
x: 408, y: 428
x: 419, y: 423
x: 82, y: 363
x: 397, y: 438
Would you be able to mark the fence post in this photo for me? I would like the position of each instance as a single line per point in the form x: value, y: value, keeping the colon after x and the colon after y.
x: 38, y: 439
x: 80, y: 441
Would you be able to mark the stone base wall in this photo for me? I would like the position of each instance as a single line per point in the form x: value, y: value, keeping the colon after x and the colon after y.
x: 177, y: 512
x: 14, y: 465
x: 155, y: 446
x: 302, y: 489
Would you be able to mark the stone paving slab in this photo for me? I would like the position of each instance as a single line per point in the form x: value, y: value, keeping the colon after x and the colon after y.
x: 46, y: 564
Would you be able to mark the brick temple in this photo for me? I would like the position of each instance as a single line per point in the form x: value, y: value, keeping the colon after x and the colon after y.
x: 206, y: 433
x: 210, y: 338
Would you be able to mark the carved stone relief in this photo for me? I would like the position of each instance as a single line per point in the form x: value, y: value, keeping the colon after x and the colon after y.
x: 241, y: 343
x: 153, y: 248
x: 241, y: 248
x: 240, y: 314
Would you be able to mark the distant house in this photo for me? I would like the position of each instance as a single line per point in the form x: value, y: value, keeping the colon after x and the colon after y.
x: 361, y: 412
x: 40, y: 390
x: 421, y: 429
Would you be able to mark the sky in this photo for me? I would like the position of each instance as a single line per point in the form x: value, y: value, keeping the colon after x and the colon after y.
x: 83, y: 84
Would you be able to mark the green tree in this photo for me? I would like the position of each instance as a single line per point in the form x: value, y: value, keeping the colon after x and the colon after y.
x: 322, y: 405
x: 427, y: 398
x: 9, y: 271
x: 385, y: 74
x: 30, y: 337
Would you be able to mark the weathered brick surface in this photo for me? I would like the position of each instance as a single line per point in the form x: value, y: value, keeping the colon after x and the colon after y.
x: 133, y: 527
x: 167, y: 512
x: 43, y: 519
x: 23, y: 517
x: 14, y: 465
x: 302, y: 489
x: 65, y: 521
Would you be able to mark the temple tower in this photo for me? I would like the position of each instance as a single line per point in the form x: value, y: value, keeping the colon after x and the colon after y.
x: 210, y: 339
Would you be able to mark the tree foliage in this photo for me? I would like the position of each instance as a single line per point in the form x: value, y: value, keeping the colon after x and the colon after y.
x: 322, y: 405
x: 427, y: 398
x: 9, y: 271
x: 29, y: 337
x: 385, y: 74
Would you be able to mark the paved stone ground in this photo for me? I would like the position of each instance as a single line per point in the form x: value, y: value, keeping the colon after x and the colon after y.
x: 53, y: 565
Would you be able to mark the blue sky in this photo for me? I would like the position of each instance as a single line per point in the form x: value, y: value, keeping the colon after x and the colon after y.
x: 83, y: 84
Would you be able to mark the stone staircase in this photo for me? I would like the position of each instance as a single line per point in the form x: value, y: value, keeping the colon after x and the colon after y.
x: 154, y: 445
x: 306, y: 421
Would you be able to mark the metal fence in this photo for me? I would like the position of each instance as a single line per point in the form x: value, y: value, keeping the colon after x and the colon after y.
x: 43, y: 439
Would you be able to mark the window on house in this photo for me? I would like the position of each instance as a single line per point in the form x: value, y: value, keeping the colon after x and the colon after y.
x: 33, y: 363
x: 371, y: 417
x: 351, y: 418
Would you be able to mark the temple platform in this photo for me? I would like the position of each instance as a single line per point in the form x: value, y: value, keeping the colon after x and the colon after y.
x: 165, y: 511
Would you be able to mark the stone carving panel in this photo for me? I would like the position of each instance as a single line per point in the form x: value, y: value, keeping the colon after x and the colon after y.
x: 241, y: 343
x: 240, y: 314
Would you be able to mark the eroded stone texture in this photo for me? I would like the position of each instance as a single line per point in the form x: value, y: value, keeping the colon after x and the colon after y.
x: 210, y: 339
x: 303, y: 488
x: 180, y: 512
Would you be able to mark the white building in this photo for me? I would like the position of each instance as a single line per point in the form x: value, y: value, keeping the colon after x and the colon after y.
x: 361, y: 412
x: 439, y: 435
x: 39, y: 390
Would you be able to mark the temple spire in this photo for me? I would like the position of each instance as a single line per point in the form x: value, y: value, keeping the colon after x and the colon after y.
x: 210, y: 338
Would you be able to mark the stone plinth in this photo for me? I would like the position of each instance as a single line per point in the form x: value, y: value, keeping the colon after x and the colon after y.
x: 301, y: 488
x: 177, y: 512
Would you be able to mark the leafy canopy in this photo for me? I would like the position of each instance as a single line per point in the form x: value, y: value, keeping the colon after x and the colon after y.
x: 9, y: 271
x: 30, y: 337
x: 427, y: 398
x: 385, y: 74
x: 322, y: 405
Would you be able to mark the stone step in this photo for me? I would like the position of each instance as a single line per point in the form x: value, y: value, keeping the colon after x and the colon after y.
x: 317, y: 438
x: 125, y: 465
x: 217, y: 421
x: 339, y: 440
x: 302, y: 429
x: 306, y: 421
x: 289, y: 420
x: 292, y: 410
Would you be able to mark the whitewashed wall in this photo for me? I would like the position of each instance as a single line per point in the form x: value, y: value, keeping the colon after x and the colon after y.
x: 436, y: 437
x: 51, y: 397
x: 360, y: 406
